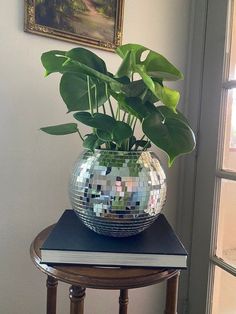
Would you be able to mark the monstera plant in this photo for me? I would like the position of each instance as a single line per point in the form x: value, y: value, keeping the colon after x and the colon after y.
x: 116, y: 105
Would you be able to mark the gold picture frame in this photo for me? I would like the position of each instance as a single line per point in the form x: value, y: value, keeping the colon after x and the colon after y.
x: 91, y: 23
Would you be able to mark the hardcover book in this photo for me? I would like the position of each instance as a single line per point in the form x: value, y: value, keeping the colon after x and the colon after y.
x: 71, y: 242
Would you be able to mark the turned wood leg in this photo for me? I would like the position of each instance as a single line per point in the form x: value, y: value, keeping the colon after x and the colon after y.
x: 123, y: 301
x: 51, y: 295
x: 172, y: 294
x: 77, y: 295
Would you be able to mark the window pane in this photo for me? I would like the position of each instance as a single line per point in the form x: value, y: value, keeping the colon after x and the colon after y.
x: 229, y: 160
x: 224, y: 301
x: 232, y: 72
x: 226, y: 238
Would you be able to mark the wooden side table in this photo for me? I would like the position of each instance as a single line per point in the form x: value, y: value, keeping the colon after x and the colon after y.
x: 81, y: 277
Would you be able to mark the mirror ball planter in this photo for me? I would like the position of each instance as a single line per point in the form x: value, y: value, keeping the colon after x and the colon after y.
x: 117, y: 193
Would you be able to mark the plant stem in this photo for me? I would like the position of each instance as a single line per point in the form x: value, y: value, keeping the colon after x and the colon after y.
x: 128, y: 119
x: 80, y: 135
x: 104, y: 109
x: 127, y: 148
x: 89, y: 95
x: 96, y: 98
x: 117, y: 117
x: 109, y: 101
x: 123, y: 119
x: 134, y: 125
x: 112, y: 112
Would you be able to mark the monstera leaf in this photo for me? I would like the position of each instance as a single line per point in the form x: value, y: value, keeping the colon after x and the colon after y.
x: 134, y: 106
x: 92, y: 141
x: 98, y: 120
x: 53, y: 61
x: 121, y: 132
x: 170, y: 133
x: 75, y: 93
x: 154, y: 64
x: 61, y: 129
x: 153, y: 69
x: 87, y: 58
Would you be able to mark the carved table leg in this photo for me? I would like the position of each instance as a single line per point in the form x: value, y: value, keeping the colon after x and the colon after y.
x: 77, y: 295
x: 123, y: 301
x: 51, y: 295
x: 172, y: 294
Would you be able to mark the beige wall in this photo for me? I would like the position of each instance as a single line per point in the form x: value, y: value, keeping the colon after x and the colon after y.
x: 34, y: 167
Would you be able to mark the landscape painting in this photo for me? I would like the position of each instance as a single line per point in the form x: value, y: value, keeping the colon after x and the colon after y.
x: 92, y: 22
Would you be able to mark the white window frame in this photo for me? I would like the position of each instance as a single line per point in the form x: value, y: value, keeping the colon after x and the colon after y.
x: 197, y: 214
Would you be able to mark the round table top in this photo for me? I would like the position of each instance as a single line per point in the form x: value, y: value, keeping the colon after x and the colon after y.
x: 96, y: 276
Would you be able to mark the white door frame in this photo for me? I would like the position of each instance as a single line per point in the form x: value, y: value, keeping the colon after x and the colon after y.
x: 195, y: 211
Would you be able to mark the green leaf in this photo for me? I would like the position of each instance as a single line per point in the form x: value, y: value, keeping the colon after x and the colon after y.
x: 98, y: 120
x: 121, y: 131
x: 126, y: 66
x: 104, y: 121
x: 146, y: 78
x: 159, y: 67
x: 148, y: 96
x: 169, y: 133
x: 168, y: 97
x: 122, y: 80
x: 135, y: 51
x: 134, y: 106
x: 167, y: 112
x: 61, y: 129
x: 153, y: 70
x: 53, y: 61
x: 78, y: 67
x: 104, y: 135
x: 74, y: 92
x: 134, y: 89
x: 156, y: 66
x: 88, y: 58
x: 92, y: 142
x: 150, y: 107
x: 84, y: 117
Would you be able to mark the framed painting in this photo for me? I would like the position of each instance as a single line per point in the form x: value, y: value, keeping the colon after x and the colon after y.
x: 94, y: 23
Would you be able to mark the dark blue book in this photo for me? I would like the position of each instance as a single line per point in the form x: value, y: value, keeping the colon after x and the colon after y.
x: 70, y: 242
